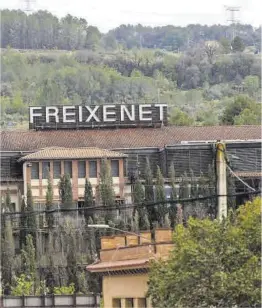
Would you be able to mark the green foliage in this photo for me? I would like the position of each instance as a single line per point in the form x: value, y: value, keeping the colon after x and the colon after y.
x: 88, y: 198
x: 106, y: 189
x: 49, y: 202
x: 251, y: 84
x: 180, y: 118
x: 212, y: 264
x: 65, y: 191
x: 139, y: 198
x: 237, y: 44
x: 23, y: 224
x: 7, y: 253
x: 160, y: 197
x: 226, y: 45
x: 30, y: 217
x: 65, y: 290
x: 28, y: 257
x: 24, y: 286
x: 233, y: 111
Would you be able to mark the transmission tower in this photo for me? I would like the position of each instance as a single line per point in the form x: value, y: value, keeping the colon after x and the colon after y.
x: 28, y: 5
x: 232, y: 18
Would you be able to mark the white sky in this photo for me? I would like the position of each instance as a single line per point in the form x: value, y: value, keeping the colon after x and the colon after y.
x: 108, y: 14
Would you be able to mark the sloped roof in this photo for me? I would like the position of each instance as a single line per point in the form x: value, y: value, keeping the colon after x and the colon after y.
x: 113, y: 265
x: 69, y: 153
x: 124, y: 138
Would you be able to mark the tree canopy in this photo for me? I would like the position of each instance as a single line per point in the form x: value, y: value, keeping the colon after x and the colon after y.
x: 213, y: 263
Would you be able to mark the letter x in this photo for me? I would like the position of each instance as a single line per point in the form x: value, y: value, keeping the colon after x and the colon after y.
x: 92, y: 114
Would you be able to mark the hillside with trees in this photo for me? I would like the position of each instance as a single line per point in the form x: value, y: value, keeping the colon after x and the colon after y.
x: 197, y: 70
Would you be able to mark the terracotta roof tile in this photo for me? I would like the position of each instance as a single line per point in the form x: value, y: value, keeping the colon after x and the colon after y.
x: 123, y: 138
x: 68, y: 153
x: 112, y: 265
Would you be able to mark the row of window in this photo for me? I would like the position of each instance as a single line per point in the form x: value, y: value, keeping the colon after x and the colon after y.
x: 92, y: 167
x: 129, y: 302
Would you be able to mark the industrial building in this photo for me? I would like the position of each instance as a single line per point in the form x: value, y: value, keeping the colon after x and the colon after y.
x: 26, y: 156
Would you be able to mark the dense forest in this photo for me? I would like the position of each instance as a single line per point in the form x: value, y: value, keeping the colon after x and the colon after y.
x: 42, y: 30
x: 205, y: 77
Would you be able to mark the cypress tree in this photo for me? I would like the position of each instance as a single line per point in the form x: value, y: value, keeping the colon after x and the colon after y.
x: 174, y: 194
x: 149, y: 192
x: 28, y: 258
x: 88, y: 198
x: 7, y: 254
x: 8, y: 205
x: 23, y: 224
x: 92, y: 240
x: 135, y: 222
x: 106, y: 190
x: 160, y: 197
x: 139, y: 198
x: 30, y: 217
x: 49, y: 202
x: 65, y: 191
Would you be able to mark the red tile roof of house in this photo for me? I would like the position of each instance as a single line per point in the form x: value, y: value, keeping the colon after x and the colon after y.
x: 68, y: 153
x: 124, y: 138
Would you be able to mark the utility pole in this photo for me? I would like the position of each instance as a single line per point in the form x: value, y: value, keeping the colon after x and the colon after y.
x: 232, y: 18
x: 221, y: 180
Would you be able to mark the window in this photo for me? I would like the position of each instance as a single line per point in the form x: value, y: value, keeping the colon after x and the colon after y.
x: 68, y: 168
x: 81, y: 169
x: 12, y: 207
x: 57, y: 169
x: 129, y: 303
x: 93, y: 169
x: 45, y: 169
x: 115, y: 168
x: 116, y: 303
x: 141, y: 302
x: 35, y: 171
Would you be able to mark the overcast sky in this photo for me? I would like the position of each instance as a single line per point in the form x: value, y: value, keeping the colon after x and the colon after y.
x: 108, y: 14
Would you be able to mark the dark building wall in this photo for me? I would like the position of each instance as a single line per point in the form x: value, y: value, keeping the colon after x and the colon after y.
x: 10, y: 168
x: 243, y: 157
x: 197, y: 159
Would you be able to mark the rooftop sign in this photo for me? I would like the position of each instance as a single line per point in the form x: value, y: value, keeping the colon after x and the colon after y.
x: 97, y: 116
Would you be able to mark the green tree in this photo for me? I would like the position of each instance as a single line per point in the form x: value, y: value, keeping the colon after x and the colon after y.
x: 88, y: 198
x: 234, y: 109
x: 28, y: 258
x: 93, y: 37
x: 226, y: 45
x: 30, y: 216
x: 139, y: 199
x: 23, y: 224
x: 92, y: 240
x: 149, y: 192
x: 180, y: 118
x: 8, y: 205
x: 251, y: 84
x: 106, y: 189
x: 237, y: 44
x: 49, y: 202
x: 248, y: 117
x: 174, y: 194
x: 65, y: 191
x: 24, y: 286
x: 160, y: 197
x: 212, y: 264
x: 7, y: 254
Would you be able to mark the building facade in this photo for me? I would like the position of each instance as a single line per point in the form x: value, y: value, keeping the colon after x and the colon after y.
x: 79, y: 163
x: 28, y: 156
x: 124, y: 261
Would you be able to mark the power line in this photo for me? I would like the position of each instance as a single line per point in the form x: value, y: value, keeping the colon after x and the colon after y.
x: 130, y: 206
